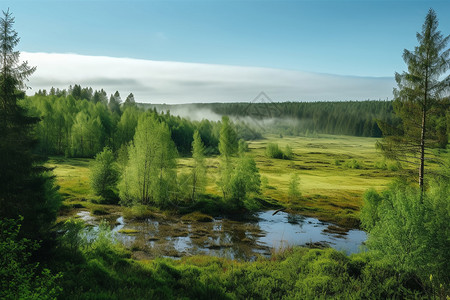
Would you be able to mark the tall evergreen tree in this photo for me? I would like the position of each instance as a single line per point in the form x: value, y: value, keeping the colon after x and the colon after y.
x: 114, y: 103
x: 24, y: 188
x: 419, y: 99
x: 129, y: 101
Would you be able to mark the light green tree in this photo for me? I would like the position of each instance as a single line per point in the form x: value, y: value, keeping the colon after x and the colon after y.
x: 150, y: 174
x: 288, y: 154
x: 126, y: 126
x: 294, y: 193
x: 227, y: 147
x: 104, y: 174
x: 245, y: 182
x: 198, y: 175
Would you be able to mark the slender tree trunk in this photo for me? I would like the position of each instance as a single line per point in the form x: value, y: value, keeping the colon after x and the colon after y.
x: 422, y: 138
x: 194, y: 183
x: 422, y: 151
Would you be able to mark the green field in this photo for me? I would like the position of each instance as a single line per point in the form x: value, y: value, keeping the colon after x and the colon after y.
x: 331, y: 190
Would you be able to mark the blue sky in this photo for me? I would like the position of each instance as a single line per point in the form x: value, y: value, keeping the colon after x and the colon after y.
x: 352, y: 38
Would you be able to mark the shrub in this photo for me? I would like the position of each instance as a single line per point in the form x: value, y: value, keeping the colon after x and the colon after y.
x: 353, y: 164
x: 273, y: 151
x: 104, y: 174
x: 411, y: 230
x: 20, y: 279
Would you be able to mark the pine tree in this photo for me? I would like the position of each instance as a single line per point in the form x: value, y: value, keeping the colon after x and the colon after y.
x: 25, y: 188
x: 419, y: 99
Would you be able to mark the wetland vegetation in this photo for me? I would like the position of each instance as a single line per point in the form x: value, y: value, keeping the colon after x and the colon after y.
x: 108, y: 200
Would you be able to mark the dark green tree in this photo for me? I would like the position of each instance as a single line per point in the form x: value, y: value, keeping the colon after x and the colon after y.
x: 19, y: 277
x: 419, y: 100
x: 114, y: 103
x: 25, y: 189
x: 129, y: 101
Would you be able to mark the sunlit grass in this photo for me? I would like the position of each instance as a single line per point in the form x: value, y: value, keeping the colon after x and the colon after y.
x: 331, y: 189
x: 72, y: 175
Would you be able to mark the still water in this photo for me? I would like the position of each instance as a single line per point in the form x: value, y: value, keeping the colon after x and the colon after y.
x: 266, y: 233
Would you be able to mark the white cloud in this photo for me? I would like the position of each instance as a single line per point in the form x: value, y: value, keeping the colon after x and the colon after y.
x: 177, y: 82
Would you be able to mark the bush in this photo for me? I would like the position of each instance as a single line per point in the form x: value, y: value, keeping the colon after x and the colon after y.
x: 273, y: 151
x: 411, y: 231
x: 20, y: 279
x: 104, y: 174
x: 288, y: 154
x: 353, y: 164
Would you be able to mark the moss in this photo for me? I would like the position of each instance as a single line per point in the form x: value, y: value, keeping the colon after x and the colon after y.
x: 128, y: 231
x: 197, y: 217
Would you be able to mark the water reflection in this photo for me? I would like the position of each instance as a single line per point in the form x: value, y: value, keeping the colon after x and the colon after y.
x: 234, y: 239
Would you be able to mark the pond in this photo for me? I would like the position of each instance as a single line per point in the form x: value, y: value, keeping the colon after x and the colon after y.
x: 267, y: 233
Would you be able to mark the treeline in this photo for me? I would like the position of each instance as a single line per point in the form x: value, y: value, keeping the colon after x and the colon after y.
x: 80, y: 122
x: 356, y: 118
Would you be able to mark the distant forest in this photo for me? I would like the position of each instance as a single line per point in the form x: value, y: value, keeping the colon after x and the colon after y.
x: 79, y: 122
x: 355, y: 118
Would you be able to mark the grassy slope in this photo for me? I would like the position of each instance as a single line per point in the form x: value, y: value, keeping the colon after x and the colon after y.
x: 331, y: 192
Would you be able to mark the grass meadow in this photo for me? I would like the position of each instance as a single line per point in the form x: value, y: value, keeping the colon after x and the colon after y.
x: 334, y: 173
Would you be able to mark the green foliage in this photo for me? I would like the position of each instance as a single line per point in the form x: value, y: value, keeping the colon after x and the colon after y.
x: 228, y: 142
x: 138, y: 211
x: 26, y: 188
x: 227, y: 147
x: 274, y: 151
x: 73, y: 238
x: 369, y: 213
x: 420, y: 101
x: 198, y: 174
x: 294, y: 193
x: 353, y: 164
x: 355, y: 118
x: 411, y: 231
x: 317, y: 274
x: 104, y: 174
x: 245, y: 184
x: 126, y: 126
x: 388, y: 165
x: 288, y: 154
x: 19, y: 278
x: 104, y: 271
x: 150, y: 175
x: 86, y: 135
